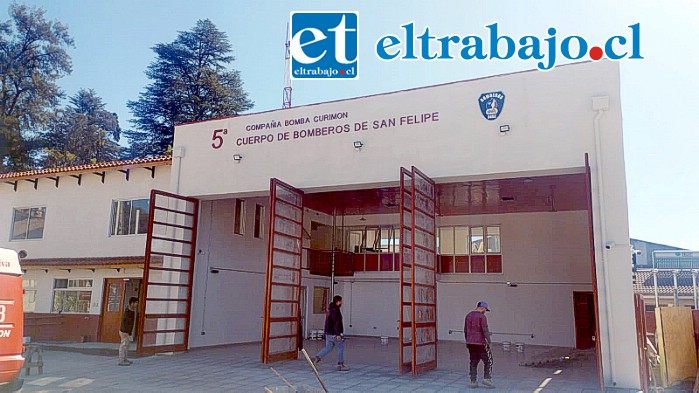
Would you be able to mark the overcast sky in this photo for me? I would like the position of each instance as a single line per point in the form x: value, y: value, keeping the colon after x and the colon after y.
x: 660, y: 93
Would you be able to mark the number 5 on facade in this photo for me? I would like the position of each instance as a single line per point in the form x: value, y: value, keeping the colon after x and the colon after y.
x: 217, y: 138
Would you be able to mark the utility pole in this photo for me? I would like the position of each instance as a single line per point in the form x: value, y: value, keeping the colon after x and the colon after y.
x: 287, y: 72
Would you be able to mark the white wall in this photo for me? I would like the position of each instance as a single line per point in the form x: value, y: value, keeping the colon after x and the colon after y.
x: 370, y: 304
x: 549, y: 114
x: 315, y: 321
x: 227, y: 306
x: 546, y: 254
x: 78, y: 217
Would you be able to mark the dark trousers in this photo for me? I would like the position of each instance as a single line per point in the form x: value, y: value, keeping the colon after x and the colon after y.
x: 477, y: 353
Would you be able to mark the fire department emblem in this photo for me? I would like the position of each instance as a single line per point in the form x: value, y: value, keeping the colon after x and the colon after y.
x: 492, y: 104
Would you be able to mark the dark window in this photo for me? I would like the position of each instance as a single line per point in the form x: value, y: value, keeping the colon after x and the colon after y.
x: 130, y: 217
x: 28, y: 223
x: 239, y: 228
x: 259, y: 221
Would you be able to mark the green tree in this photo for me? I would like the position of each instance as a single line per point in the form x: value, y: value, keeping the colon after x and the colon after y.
x: 190, y: 82
x: 84, y: 132
x: 32, y: 58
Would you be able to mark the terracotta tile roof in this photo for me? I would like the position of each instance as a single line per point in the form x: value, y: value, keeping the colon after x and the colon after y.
x: 99, y: 166
x: 645, y: 285
x: 77, y: 263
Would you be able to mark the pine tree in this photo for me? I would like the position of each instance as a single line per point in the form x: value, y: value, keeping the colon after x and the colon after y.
x: 32, y: 58
x: 82, y: 133
x: 191, y: 82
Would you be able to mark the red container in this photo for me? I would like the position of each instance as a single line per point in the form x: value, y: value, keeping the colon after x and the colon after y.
x: 11, y: 321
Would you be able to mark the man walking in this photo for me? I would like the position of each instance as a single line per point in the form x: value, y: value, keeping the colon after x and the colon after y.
x: 478, y: 343
x: 127, y: 322
x: 334, y: 334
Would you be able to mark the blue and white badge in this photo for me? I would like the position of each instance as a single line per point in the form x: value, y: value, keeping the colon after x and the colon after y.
x: 492, y: 104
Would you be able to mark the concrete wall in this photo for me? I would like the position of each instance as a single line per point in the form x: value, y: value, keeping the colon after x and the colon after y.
x: 78, y: 217
x: 545, y: 254
x: 549, y: 114
x: 228, y: 306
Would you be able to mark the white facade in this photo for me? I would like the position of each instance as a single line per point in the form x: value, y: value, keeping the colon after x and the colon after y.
x: 77, y: 225
x: 441, y: 131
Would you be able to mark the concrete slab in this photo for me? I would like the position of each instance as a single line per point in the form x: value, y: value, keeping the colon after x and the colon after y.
x: 237, y: 368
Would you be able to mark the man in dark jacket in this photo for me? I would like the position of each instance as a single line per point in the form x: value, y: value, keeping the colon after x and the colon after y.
x: 127, y: 322
x: 334, y: 334
x: 478, y: 342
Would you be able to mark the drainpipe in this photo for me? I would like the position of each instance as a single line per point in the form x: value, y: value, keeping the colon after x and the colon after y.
x: 676, y: 290
x: 655, y: 287
x: 332, y: 267
x: 177, y: 154
x: 694, y: 288
x: 601, y: 104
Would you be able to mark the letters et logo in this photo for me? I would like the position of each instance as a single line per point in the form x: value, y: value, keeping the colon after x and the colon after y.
x: 324, y: 45
x: 492, y: 104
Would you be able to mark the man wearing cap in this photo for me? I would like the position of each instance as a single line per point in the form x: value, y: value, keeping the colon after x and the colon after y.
x: 478, y: 343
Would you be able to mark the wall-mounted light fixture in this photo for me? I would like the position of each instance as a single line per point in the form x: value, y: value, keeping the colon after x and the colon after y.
x: 505, y: 128
x: 237, y: 158
x: 358, y: 145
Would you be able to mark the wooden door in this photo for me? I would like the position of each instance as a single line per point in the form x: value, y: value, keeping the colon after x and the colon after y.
x: 280, y: 331
x: 418, y: 279
x: 112, y: 308
x: 166, y: 303
x: 584, y: 310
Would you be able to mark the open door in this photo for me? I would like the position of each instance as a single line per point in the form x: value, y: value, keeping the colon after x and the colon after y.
x: 117, y: 292
x: 418, y: 279
x: 166, y: 298
x: 112, y: 309
x: 280, y: 330
x: 584, y: 315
